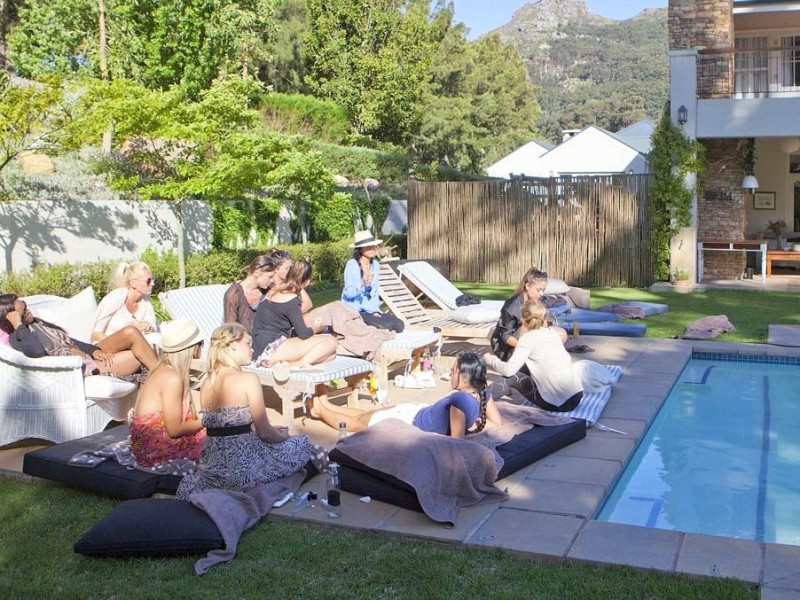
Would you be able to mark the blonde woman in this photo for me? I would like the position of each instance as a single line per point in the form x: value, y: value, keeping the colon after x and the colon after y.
x: 165, y: 425
x: 540, y: 368
x: 242, y: 449
x: 128, y: 304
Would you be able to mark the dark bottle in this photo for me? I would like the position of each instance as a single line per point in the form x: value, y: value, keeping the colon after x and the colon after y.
x: 334, y: 493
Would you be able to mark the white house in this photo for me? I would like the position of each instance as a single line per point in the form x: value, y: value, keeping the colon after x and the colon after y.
x: 521, y: 161
x: 592, y: 151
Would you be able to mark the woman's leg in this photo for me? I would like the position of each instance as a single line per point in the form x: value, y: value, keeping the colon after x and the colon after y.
x: 311, y: 351
x: 332, y: 415
x: 525, y: 385
x: 130, y: 338
x: 125, y: 363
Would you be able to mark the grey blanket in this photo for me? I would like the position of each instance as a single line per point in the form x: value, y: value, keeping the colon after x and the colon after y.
x: 235, y: 512
x: 350, y: 330
x: 707, y: 328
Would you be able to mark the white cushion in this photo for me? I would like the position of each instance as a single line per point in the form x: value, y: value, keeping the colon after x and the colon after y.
x: 102, y: 386
x: 556, y: 286
x: 475, y: 314
x: 75, y: 315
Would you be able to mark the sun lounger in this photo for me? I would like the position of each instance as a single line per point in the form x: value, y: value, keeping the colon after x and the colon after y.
x: 204, y: 305
x: 403, y: 304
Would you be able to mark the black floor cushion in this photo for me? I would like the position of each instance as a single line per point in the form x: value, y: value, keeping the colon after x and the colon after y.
x: 520, y: 451
x: 108, y: 478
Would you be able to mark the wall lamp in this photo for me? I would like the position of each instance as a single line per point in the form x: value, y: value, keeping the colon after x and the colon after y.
x: 683, y: 115
x: 750, y: 183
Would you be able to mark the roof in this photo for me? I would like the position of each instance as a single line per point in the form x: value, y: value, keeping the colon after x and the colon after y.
x: 520, y: 161
x: 637, y: 135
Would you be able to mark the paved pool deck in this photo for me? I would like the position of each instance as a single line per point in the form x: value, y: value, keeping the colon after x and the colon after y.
x: 549, y: 513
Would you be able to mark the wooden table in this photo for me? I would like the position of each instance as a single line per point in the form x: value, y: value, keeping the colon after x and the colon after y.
x: 786, y: 255
x: 719, y: 245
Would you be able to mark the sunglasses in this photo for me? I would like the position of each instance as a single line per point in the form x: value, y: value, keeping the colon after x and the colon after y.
x: 148, y: 281
x: 281, y: 254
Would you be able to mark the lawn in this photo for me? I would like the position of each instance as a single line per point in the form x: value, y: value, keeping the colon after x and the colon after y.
x: 279, y: 558
x: 750, y: 311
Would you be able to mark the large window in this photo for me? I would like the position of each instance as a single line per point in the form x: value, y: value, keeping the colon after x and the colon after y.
x: 790, y: 61
x: 751, y: 67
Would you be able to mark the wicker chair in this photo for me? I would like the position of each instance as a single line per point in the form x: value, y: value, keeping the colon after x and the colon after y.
x: 49, y: 398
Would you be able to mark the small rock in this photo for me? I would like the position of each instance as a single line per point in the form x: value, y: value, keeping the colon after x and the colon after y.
x: 36, y: 162
x: 341, y: 181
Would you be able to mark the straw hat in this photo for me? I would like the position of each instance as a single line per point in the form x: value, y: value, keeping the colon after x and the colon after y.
x: 178, y: 335
x: 363, y: 239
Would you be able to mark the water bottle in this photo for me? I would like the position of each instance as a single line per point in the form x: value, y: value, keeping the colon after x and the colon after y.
x: 342, y: 430
x: 334, y: 493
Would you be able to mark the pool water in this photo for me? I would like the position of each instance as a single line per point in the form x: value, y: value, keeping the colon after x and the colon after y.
x: 722, y: 457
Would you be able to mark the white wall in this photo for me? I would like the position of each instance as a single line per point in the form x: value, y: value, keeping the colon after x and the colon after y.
x: 52, y: 232
x: 593, y: 151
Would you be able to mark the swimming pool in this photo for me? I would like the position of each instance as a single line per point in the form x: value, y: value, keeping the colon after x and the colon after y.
x: 722, y: 457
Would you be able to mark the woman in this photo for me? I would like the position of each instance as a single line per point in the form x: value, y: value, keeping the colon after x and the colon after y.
x: 361, y: 283
x: 127, y: 304
x: 469, y: 406
x: 122, y: 354
x: 279, y: 317
x: 550, y: 382
x: 235, y: 456
x: 243, y: 297
x: 509, y: 326
x: 165, y: 425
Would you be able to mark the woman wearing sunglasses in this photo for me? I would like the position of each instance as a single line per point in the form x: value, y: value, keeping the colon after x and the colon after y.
x: 127, y: 304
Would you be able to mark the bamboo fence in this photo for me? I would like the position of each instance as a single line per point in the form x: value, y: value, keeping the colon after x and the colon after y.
x: 590, y: 231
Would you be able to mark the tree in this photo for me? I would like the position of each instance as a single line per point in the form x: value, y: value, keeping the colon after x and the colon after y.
x: 215, y: 149
x: 372, y: 57
x: 158, y: 43
x: 482, y: 103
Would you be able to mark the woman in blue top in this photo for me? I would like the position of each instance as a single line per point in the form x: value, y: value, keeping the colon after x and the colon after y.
x: 361, y: 283
x: 454, y: 415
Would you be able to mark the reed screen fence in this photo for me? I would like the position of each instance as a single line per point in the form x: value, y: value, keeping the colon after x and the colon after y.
x: 589, y: 231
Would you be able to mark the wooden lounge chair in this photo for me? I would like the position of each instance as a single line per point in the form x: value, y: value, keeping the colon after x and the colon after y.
x: 403, y: 304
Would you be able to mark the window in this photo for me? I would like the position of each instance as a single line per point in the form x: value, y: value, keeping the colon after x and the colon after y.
x: 790, y: 61
x: 751, y: 67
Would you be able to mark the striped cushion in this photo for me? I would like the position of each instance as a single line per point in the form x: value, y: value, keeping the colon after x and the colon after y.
x: 203, y: 304
x: 411, y: 340
x: 339, y: 368
x: 592, y: 405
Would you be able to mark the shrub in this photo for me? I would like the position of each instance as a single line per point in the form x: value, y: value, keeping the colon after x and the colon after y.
x: 306, y: 115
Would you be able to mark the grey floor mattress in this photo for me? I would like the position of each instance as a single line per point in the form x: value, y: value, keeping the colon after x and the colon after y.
x: 522, y: 450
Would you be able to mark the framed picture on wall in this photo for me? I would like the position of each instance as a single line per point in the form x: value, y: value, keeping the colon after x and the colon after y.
x: 764, y: 201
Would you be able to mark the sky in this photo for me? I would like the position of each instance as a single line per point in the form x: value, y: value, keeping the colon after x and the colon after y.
x: 484, y: 15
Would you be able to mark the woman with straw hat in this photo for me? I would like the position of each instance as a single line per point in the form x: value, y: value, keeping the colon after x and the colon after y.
x: 361, y: 283
x: 165, y: 425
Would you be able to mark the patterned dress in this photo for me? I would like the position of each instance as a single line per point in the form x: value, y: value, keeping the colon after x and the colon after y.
x: 241, y: 462
x: 152, y: 445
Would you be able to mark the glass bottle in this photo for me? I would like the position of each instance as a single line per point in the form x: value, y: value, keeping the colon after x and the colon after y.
x: 342, y: 430
x: 334, y: 493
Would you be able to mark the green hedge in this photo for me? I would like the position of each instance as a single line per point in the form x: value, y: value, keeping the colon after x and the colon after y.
x: 306, y: 115
x: 68, y: 279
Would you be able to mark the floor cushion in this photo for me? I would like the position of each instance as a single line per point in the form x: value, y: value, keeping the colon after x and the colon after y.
x: 520, y: 451
x: 151, y: 527
x: 108, y: 478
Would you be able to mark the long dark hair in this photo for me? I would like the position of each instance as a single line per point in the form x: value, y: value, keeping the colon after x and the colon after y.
x: 6, y: 306
x: 472, y: 367
x: 532, y: 275
x: 262, y: 262
x: 298, y: 274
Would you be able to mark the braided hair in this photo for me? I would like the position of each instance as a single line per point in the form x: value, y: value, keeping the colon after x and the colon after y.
x: 472, y: 367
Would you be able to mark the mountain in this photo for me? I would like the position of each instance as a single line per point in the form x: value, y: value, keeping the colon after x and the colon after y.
x: 591, y: 70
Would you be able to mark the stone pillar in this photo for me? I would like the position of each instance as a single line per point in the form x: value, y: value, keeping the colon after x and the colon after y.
x: 721, y: 206
x: 700, y: 24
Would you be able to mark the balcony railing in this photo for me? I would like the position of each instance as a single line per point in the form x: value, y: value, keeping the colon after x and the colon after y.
x: 748, y: 73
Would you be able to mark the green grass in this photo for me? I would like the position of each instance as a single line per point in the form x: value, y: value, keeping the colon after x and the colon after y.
x: 279, y: 558
x: 751, y: 312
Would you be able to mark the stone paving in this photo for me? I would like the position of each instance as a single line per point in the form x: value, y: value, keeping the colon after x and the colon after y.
x: 549, y: 513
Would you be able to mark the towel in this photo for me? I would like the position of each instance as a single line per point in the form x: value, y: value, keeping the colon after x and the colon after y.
x: 707, y: 328
x: 624, y: 310
x: 467, y: 300
x: 594, y: 376
x: 235, y: 512
x: 446, y: 473
x: 350, y: 330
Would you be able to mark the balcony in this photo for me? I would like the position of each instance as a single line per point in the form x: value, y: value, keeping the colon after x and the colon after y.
x: 741, y: 74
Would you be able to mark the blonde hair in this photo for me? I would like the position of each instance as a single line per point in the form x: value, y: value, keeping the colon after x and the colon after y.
x: 181, y: 361
x: 125, y: 272
x: 219, y: 354
x: 533, y: 314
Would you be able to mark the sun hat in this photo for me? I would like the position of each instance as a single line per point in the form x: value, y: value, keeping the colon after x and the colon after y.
x: 363, y: 239
x: 178, y: 335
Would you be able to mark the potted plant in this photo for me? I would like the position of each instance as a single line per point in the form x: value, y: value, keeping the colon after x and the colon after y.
x: 778, y: 228
x: 680, y: 277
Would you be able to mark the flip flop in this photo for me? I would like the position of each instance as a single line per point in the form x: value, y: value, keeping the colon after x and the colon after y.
x: 580, y: 349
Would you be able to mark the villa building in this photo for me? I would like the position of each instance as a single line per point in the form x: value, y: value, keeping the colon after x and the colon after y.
x: 735, y: 79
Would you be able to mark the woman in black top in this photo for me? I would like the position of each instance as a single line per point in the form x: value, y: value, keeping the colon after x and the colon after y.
x: 280, y: 335
x: 509, y: 326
